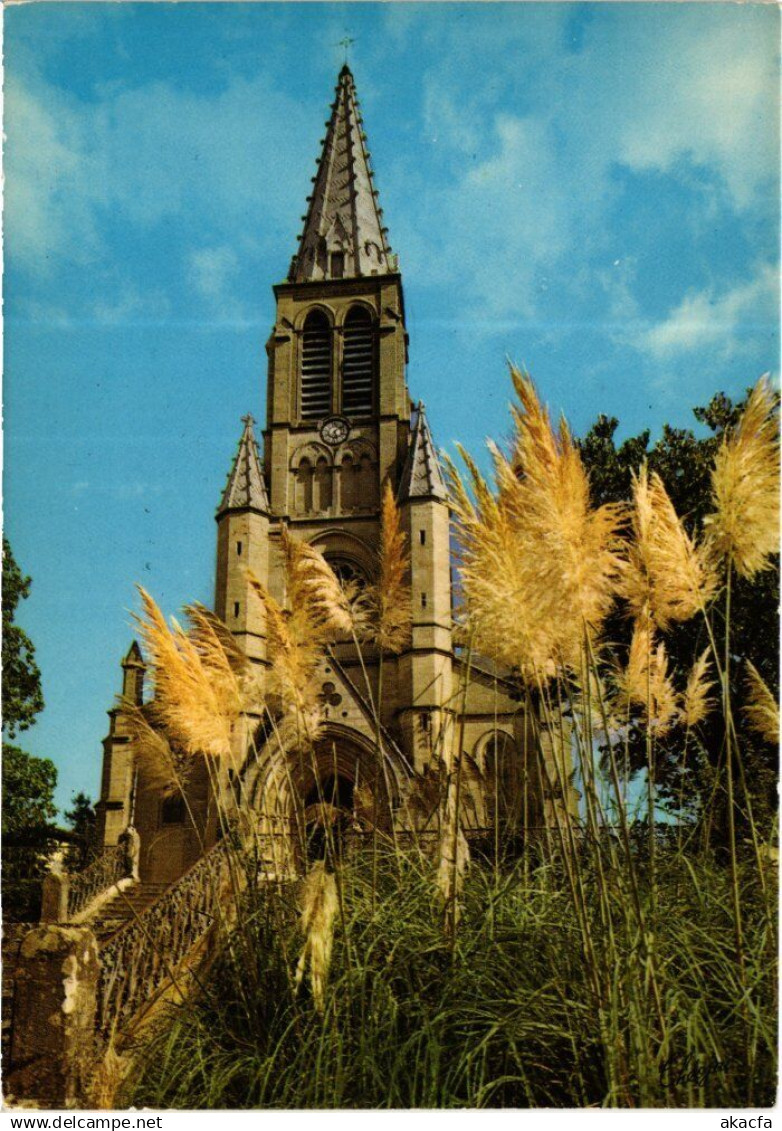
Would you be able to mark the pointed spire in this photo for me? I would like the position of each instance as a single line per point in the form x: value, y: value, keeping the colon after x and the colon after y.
x: 133, y: 670
x: 422, y: 477
x: 134, y: 659
x: 343, y: 234
x: 245, y: 489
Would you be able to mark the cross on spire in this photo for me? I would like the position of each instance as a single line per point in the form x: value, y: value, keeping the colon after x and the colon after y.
x: 345, y: 42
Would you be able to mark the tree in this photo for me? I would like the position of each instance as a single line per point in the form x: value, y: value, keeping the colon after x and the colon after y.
x: 28, y: 782
x: 684, y: 463
x: 28, y: 793
x: 82, y: 819
x: 22, y: 695
x: 28, y: 809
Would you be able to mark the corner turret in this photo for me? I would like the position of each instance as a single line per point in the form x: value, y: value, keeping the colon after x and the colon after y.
x: 426, y: 668
x: 133, y: 672
x: 242, y: 545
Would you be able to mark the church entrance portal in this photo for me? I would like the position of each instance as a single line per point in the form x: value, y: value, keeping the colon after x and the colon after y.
x: 329, y: 816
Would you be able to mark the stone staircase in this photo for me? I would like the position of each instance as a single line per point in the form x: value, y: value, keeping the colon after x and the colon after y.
x: 123, y: 906
x: 122, y: 956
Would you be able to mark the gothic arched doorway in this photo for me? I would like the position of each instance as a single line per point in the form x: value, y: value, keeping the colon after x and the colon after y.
x: 313, y: 802
x: 328, y: 816
x: 507, y: 799
x: 344, y: 792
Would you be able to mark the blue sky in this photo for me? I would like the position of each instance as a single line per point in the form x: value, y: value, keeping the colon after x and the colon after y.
x: 588, y: 189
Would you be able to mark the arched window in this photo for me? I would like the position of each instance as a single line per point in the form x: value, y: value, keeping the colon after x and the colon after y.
x: 369, y: 486
x: 304, y: 487
x: 348, y: 483
x: 349, y: 573
x: 322, y: 485
x: 316, y: 367
x: 358, y: 363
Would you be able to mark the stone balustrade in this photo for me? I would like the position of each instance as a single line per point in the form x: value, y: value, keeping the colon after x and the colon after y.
x: 69, y: 898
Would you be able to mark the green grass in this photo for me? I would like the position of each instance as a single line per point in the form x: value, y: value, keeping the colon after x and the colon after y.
x: 508, y: 1015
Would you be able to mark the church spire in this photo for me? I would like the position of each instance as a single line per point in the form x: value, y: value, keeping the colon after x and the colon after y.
x: 422, y: 477
x: 343, y: 234
x: 245, y: 489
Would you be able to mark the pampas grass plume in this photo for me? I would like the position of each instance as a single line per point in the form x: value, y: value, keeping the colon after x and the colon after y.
x: 539, y: 564
x: 744, y: 528
x: 697, y: 703
x: 165, y: 767
x: 761, y: 709
x: 318, y: 909
x: 666, y: 574
x: 198, y: 693
x: 389, y: 600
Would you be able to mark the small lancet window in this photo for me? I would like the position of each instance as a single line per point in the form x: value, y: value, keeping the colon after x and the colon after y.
x: 337, y: 264
x: 323, y: 485
x: 238, y: 549
x: 303, y: 487
x: 358, y: 363
x: 316, y: 367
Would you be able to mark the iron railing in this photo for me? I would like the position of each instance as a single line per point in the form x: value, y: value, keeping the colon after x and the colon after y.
x: 147, y: 953
x: 107, y: 869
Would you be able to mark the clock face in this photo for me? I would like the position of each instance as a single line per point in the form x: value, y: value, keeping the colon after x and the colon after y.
x: 335, y: 430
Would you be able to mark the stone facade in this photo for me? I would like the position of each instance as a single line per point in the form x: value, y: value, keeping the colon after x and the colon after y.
x: 340, y: 423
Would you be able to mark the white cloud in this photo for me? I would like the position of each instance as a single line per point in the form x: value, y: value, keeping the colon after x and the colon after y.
x: 211, y: 269
x: 682, y: 91
x: 496, y: 227
x: 213, y: 273
x: 712, y: 98
x: 704, y: 320
x: 52, y: 182
x: 143, y: 156
x: 127, y: 304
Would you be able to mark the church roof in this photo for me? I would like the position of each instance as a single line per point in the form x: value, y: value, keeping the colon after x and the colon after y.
x: 245, y: 489
x: 422, y: 475
x: 343, y: 231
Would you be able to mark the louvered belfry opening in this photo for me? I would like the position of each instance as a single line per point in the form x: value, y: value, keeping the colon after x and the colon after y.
x: 358, y: 363
x: 316, y: 367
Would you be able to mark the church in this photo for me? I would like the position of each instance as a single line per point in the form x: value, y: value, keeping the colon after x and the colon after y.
x: 340, y: 423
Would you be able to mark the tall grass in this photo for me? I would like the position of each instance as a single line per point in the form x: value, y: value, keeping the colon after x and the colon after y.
x: 608, y: 961
x: 506, y: 1018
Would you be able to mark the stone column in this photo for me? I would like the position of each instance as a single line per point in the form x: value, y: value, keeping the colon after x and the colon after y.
x: 55, y: 1000
x: 54, y: 898
x: 130, y: 842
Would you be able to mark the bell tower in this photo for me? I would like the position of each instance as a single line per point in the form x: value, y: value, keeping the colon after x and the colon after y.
x: 340, y: 424
x: 338, y: 409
